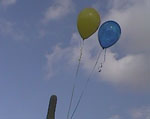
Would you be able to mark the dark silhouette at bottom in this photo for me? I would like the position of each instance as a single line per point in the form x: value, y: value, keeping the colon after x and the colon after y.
x: 52, y: 107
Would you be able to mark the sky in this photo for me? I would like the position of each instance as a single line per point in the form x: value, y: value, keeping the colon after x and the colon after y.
x: 39, y: 51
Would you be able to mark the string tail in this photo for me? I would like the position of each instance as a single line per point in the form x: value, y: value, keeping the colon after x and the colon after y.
x: 102, y: 63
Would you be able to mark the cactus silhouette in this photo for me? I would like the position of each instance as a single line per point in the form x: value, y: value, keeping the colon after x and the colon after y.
x: 52, y: 107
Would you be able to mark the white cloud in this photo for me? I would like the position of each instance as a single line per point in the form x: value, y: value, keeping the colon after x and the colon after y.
x: 135, y: 26
x: 7, y: 2
x: 141, y: 113
x: 115, y: 117
x: 58, y: 9
x: 133, y: 68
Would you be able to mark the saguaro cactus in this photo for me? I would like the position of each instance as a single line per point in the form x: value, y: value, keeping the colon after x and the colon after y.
x: 52, y: 107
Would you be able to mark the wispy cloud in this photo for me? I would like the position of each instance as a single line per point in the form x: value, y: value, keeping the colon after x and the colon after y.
x: 54, y: 60
x: 6, y: 3
x: 141, y: 113
x: 9, y: 30
x: 134, y: 113
x: 61, y: 57
x: 58, y: 9
x: 121, y: 4
x: 115, y: 117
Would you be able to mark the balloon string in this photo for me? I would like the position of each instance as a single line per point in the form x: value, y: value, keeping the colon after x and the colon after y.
x: 85, y: 86
x: 76, y: 74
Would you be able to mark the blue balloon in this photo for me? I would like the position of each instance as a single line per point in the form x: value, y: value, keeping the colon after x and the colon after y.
x: 109, y: 33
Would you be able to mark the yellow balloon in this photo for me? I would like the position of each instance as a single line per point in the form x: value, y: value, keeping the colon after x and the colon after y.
x: 88, y: 22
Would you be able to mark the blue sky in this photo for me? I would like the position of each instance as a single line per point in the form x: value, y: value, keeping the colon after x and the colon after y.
x: 39, y: 51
